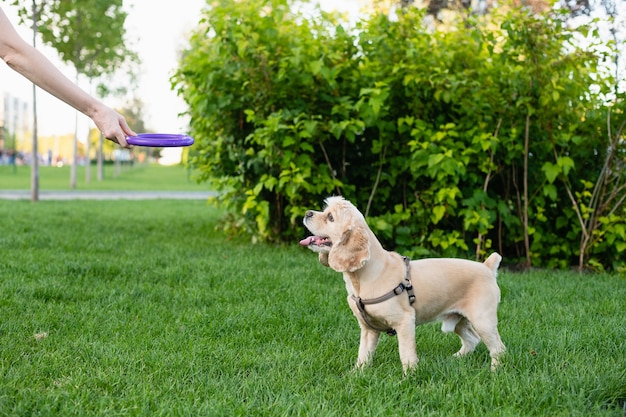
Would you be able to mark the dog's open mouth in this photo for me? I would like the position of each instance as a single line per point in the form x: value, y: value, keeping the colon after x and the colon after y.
x: 316, y: 241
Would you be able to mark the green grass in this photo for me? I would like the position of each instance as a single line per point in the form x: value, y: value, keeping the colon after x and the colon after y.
x: 140, y: 177
x: 140, y: 308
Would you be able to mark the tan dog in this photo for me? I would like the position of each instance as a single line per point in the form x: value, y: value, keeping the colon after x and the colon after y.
x: 462, y: 294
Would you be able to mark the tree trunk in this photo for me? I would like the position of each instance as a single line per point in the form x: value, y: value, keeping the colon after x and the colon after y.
x: 100, y: 159
x: 74, y: 165
x: 525, y: 191
x: 88, y: 159
x: 34, y: 177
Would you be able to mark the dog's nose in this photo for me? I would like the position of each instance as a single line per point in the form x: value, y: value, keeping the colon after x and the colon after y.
x: 309, y: 214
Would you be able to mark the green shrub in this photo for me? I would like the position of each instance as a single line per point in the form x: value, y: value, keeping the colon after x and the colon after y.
x: 491, y: 135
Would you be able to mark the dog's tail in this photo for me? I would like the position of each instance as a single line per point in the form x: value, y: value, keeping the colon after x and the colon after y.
x: 493, y: 262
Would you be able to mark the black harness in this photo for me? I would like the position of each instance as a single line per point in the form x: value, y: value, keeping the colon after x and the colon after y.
x: 403, y: 286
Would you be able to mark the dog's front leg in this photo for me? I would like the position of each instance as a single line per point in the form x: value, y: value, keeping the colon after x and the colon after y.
x: 323, y: 258
x: 406, y: 345
x: 367, y: 346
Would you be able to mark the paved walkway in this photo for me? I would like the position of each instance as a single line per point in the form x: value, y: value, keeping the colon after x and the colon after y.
x: 106, y: 195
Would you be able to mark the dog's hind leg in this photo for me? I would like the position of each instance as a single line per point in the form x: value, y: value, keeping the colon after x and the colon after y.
x: 469, y: 337
x: 487, y: 329
x: 450, y: 321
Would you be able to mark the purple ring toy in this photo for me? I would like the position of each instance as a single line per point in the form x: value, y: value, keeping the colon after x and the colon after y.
x: 160, y: 140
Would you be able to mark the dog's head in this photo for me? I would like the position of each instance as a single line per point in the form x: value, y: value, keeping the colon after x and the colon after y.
x: 340, y: 235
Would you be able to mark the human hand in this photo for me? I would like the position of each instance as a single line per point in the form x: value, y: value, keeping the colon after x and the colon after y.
x: 112, y: 125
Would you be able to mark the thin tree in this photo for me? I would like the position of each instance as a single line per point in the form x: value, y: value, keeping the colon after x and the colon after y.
x: 34, y: 179
x: 32, y: 12
x: 89, y: 34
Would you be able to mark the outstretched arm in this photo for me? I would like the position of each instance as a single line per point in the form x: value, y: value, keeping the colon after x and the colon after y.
x: 29, y: 62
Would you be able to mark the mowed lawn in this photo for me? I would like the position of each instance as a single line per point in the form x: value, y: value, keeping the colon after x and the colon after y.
x: 142, y: 308
x: 139, y: 177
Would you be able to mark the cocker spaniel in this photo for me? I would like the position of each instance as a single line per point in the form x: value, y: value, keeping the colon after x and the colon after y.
x: 387, y: 292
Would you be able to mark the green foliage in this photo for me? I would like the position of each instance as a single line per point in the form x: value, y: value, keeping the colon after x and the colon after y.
x: 257, y: 137
x: 425, y: 131
x: 89, y: 34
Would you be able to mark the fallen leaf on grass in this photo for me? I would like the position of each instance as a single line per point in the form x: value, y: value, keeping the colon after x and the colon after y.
x: 40, y: 336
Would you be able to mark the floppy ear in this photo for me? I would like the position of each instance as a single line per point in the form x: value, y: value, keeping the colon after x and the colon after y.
x: 351, y: 252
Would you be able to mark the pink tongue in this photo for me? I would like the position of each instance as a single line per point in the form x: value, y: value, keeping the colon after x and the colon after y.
x: 314, y: 240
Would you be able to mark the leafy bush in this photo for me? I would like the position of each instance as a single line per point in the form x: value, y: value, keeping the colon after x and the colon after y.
x: 487, y: 136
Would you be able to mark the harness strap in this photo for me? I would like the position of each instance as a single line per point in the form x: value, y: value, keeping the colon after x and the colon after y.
x: 406, y: 285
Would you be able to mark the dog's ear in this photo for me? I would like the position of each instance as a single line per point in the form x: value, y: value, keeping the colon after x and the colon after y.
x: 351, y: 252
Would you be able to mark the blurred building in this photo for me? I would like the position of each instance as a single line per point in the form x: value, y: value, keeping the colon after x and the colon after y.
x: 14, y: 122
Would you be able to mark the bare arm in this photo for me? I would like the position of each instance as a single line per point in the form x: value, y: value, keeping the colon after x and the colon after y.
x: 29, y: 62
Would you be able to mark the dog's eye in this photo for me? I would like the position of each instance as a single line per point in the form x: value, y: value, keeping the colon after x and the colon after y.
x: 330, y: 217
